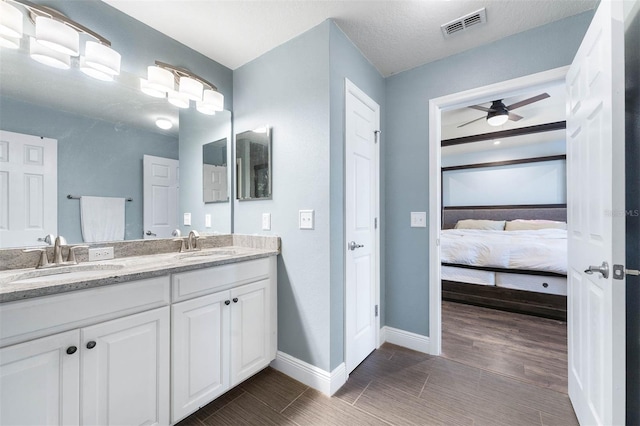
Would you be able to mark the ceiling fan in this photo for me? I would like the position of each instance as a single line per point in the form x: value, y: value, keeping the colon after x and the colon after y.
x: 499, y: 113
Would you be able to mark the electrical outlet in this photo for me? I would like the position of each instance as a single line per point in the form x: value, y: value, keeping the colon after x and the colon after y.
x: 100, y: 253
x: 266, y: 221
x: 418, y: 219
x: 306, y: 219
x: 207, y: 220
x: 186, y: 219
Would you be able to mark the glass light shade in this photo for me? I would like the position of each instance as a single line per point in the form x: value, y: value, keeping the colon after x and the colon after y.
x: 93, y: 72
x: 192, y: 88
x: 498, y: 120
x: 144, y: 86
x: 57, y: 36
x: 178, y: 99
x: 10, y: 20
x: 160, y: 79
x: 102, y: 58
x: 9, y: 42
x: 164, y: 124
x: 205, y: 108
x: 214, y: 99
x: 47, y: 56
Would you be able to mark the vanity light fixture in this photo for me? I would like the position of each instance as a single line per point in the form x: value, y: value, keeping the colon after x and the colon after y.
x: 162, y: 80
x: 58, y: 35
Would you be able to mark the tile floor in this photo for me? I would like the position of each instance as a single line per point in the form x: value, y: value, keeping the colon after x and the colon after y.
x: 393, y: 386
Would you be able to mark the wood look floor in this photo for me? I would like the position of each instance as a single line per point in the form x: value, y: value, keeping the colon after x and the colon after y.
x: 397, y: 386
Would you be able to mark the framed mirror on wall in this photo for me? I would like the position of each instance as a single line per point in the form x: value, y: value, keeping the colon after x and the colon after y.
x: 253, y: 164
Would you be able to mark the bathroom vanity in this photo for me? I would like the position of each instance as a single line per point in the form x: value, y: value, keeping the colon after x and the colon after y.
x: 146, y: 339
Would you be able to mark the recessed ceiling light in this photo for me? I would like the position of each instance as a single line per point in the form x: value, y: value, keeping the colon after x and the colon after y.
x: 164, y: 124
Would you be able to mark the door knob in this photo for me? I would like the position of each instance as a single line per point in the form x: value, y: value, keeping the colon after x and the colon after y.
x: 353, y: 245
x: 150, y: 233
x: 603, y: 269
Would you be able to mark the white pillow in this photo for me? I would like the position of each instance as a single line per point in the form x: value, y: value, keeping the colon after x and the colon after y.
x: 489, y: 225
x: 531, y: 225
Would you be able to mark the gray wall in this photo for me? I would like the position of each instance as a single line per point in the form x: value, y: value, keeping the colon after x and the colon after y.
x: 288, y: 89
x: 87, y: 164
x: 346, y: 61
x: 632, y: 158
x: 197, y: 129
x: 407, y: 134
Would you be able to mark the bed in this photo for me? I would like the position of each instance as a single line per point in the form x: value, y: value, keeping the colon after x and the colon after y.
x: 516, y: 261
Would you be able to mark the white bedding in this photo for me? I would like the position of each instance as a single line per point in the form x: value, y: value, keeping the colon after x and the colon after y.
x: 537, y: 250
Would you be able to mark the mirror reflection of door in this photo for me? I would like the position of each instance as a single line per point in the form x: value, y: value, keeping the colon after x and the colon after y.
x: 253, y: 164
x: 214, y: 172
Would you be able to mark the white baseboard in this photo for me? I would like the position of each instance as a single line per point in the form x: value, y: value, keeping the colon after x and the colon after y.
x: 414, y: 341
x: 310, y: 375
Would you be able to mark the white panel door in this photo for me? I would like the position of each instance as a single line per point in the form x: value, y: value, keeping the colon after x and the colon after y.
x: 596, y: 203
x: 214, y: 183
x: 199, y: 352
x: 361, y: 191
x: 28, y: 189
x: 250, y: 330
x: 160, y: 190
x: 125, y: 370
x: 39, y: 381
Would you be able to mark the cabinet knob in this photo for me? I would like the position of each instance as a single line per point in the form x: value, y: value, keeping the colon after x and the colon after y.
x: 227, y: 302
x: 71, y: 350
x: 235, y: 300
x: 91, y: 345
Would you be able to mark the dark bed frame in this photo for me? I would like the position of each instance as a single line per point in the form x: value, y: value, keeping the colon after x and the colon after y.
x: 520, y: 301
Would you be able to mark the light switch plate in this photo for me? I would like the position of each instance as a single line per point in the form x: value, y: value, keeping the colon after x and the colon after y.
x: 186, y: 220
x: 306, y: 219
x: 266, y: 221
x: 207, y: 221
x: 418, y: 219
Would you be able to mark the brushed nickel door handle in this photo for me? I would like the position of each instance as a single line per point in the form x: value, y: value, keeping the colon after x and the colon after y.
x: 603, y: 269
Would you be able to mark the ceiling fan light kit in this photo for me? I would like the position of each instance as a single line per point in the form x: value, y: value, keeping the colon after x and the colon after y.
x: 498, y: 114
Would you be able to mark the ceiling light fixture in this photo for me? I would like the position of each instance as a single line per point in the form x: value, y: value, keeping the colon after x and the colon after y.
x: 164, y: 124
x: 58, y: 35
x: 498, y: 115
x: 162, y: 79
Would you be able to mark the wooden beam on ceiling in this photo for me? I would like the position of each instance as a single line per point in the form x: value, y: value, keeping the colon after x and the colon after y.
x: 547, y: 127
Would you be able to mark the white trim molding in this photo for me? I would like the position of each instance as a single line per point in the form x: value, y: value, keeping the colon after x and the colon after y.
x: 414, y: 341
x: 326, y: 382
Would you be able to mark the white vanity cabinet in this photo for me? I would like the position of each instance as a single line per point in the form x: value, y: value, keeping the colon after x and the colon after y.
x: 109, y: 372
x: 220, y: 339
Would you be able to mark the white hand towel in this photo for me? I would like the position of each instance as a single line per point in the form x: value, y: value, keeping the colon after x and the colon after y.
x: 102, y: 219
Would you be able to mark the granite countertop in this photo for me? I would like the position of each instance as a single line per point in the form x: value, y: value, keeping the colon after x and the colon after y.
x: 18, y: 284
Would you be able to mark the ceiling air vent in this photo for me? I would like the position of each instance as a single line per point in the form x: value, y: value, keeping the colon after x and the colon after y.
x: 464, y: 23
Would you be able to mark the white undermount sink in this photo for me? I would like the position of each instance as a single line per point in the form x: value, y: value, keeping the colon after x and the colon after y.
x: 59, y: 272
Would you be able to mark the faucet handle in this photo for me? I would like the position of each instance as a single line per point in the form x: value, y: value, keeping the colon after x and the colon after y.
x: 44, y: 261
x: 182, y: 250
x: 71, y: 257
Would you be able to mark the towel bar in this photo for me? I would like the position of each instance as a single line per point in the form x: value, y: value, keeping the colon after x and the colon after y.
x: 77, y: 197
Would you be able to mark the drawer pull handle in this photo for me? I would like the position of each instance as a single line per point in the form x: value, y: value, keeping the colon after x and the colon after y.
x: 227, y: 302
x: 235, y: 300
x: 71, y: 350
x: 91, y: 345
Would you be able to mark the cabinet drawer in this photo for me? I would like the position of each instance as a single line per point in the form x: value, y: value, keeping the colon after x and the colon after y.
x: 41, y: 316
x: 187, y: 285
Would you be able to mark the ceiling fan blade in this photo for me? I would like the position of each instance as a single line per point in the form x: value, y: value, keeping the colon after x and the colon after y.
x: 480, y: 108
x: 514, y: 117
x: 472, y: 121
x: 540, y: 97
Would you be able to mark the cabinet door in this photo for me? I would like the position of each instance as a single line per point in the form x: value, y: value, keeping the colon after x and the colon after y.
x: 250, y: 329
x: 125, y: 370
x: 199, y: 351
x: 39, y: 381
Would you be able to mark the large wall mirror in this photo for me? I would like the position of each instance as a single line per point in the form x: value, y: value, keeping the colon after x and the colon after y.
x: 100, y: 131
x: 253, y: 164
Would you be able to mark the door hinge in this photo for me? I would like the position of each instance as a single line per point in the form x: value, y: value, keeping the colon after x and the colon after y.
x: 377, y: 135
x: 375, y: 223
x: 376, y: 310
x: 619, y: 272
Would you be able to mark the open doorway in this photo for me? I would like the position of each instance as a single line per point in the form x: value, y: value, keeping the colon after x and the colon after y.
x: 503, y: 236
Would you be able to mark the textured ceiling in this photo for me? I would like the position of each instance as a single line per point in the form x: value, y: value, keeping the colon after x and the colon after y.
x: 395, y: 35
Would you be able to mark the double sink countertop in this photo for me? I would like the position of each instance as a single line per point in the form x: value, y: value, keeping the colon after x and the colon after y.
x: 19, y: 284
